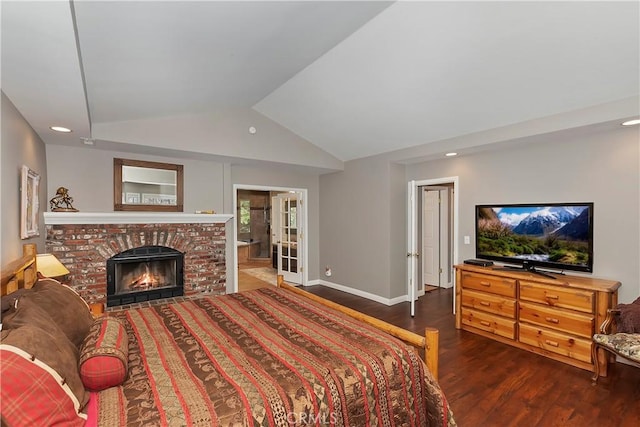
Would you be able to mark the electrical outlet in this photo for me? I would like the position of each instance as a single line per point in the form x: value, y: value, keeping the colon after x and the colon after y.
x: 327, y: 271
x: 467, y: 240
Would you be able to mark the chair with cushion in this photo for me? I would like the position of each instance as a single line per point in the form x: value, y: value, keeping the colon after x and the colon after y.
x: 619, y: 334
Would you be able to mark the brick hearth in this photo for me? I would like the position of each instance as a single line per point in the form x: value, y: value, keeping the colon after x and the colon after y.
x: 84, y: 242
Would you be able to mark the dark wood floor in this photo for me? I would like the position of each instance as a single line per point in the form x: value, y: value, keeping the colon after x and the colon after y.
x: 493, y: 384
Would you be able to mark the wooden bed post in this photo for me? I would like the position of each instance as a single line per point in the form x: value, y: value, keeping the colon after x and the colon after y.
x: 21, y: 273
x: 431, y: 350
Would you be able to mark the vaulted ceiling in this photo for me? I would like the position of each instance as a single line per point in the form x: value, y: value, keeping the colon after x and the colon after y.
x: 323, y: 82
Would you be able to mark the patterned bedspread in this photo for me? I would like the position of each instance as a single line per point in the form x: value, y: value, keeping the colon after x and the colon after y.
x: 266, y: 358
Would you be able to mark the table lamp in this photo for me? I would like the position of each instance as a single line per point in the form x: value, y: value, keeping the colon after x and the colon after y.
x: 49, y: 266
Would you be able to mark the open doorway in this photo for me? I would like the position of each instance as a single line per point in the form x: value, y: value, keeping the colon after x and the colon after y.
x: 432, y: 247
x: 253, y: 239
x: 270, y: 224
x: 435, y: 237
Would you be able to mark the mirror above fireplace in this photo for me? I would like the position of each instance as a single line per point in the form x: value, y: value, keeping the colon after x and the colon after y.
x: 140, y: 185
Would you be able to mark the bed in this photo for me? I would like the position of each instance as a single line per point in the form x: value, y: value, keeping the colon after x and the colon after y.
x: 272, y: 356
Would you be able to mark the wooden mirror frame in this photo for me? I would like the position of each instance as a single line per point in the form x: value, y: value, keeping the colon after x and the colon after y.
x: 117, y: 186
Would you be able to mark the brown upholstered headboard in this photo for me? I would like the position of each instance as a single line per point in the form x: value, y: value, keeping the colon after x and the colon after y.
x: 22, y: 272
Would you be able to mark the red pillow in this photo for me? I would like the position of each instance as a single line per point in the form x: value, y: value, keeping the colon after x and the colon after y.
x: 32, y: 330
x: 33, y: 394
x: 104, y: 354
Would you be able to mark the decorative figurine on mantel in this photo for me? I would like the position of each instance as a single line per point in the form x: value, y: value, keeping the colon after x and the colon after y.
x: 61, y: 198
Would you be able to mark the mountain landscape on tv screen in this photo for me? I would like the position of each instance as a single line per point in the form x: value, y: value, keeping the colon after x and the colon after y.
x: 557, y: 234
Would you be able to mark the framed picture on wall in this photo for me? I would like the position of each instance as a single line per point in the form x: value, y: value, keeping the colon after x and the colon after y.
x: 30, y: 204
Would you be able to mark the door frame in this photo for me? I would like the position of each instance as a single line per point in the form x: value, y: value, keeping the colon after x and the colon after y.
x: 305, y: 225
x: 412, y: 228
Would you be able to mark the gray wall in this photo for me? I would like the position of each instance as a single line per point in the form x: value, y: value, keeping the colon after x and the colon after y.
x: 363, y: 209
x: 398, y: 231
x: 356, y: 229
x: 20, y: 146
x: 603, y: 168
x: 88, y: 174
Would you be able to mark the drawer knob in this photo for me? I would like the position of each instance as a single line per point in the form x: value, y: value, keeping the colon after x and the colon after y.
x: 487, y: 284
x: 485, y: 323
x: 552, y: 320
x: 552, y: 296
x: 552, y: 343
x: 486, y: 304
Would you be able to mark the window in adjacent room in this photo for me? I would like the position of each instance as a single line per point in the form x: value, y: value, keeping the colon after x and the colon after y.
x: 245, y: 216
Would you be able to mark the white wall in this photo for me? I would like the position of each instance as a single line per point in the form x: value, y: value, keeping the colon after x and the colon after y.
x: 20, y: 146
x: 223, y: 133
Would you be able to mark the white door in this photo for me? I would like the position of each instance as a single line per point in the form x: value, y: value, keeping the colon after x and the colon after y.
x: 287, y: 234
x: 430, y: 237
x: 412, y: 253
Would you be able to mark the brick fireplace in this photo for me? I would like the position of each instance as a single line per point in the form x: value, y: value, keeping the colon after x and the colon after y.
x: 84, y: 242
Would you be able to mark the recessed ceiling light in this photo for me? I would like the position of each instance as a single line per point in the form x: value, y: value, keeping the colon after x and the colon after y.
x: 451, y: 154
x: 60, y: 129
x: 631, y: 122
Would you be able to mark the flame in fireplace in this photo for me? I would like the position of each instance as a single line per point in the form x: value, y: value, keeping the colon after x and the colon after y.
x: 145, y: 281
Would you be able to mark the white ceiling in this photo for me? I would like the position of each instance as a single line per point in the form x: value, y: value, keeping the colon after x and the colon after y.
x: 352, y: 78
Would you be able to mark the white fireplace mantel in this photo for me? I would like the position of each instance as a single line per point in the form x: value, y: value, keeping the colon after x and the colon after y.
x: 60, y: 218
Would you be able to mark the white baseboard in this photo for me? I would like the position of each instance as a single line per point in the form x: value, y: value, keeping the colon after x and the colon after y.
x: 358, y: 292
x: 363, y: 294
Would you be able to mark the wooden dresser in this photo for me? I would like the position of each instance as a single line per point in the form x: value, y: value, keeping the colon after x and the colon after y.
x: 555, y: 318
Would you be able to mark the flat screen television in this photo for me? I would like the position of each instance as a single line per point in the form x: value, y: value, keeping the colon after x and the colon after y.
x: 551, y: 235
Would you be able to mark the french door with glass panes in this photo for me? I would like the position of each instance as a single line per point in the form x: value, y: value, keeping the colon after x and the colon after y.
x: 287, y: 235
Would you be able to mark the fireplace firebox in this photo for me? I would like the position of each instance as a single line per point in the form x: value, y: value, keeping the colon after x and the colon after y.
x: 144, y: 274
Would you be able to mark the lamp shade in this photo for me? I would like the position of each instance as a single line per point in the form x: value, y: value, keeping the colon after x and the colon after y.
x: 49, y: 266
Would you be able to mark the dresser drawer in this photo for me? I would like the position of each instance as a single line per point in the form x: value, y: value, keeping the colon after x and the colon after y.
x: 490, y: 303
x: 554, y: 318
x: 488, y: 322
x: 556, y: 296
x: 556, y: 342
x: 492, y: 284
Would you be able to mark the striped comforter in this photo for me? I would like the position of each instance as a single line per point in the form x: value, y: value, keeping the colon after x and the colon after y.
x: 266, y: 358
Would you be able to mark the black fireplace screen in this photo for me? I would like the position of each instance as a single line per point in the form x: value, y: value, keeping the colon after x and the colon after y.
x: 143, y: 274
